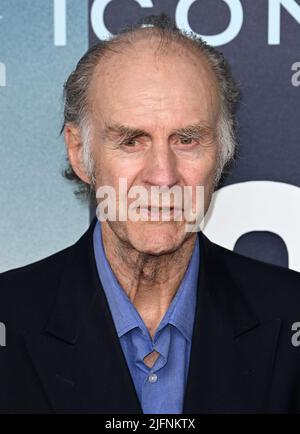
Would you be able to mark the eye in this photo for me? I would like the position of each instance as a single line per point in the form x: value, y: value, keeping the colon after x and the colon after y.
x: 130, y: 142
x: 186, y: 140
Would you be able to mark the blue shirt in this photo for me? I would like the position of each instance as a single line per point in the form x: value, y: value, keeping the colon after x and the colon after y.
x: 160, y: 389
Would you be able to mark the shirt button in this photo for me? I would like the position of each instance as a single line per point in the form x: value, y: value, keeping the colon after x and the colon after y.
x: 152, y: 378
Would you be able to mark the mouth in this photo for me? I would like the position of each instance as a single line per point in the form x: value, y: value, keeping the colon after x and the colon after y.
x: 157, y: 212
x: 160, y: 208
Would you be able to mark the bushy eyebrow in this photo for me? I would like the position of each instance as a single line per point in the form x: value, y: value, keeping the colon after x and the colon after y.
x: 119, y: 130
x: 198, y: 130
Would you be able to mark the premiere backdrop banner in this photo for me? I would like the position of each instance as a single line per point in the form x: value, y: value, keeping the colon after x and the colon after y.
x: 255, y: 211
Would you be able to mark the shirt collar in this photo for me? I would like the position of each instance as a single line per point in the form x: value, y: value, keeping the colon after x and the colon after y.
x: 181, y: 311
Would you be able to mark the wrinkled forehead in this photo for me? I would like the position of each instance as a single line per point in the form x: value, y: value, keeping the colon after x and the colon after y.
x: 145, y: 73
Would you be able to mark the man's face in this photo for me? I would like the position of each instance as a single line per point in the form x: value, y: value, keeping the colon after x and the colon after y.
x: 156, y: 97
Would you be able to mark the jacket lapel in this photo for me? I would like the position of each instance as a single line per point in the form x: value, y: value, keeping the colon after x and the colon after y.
x: 232, y: 350
x: 78, y: 356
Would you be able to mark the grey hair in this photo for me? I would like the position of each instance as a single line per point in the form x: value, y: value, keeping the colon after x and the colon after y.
x: 77, y: 85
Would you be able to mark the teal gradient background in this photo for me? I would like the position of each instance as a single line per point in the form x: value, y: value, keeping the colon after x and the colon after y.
x: 39, y: 213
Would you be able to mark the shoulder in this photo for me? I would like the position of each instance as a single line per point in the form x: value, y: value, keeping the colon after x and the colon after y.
x: 273, y: 290
x: 41, y: 270
x: 243, y: 261
x: 27, y: 292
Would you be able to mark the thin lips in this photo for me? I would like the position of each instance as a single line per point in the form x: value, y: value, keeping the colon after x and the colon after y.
x: 160, y: 208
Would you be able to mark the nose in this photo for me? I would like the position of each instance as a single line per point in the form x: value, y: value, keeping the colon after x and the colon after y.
x: 160, y: 167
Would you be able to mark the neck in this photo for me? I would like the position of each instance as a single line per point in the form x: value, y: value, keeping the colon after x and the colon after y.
x: 150, y: 282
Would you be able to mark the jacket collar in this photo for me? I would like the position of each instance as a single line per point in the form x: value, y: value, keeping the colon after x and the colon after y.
x: 81, y: 269
x: 77, y: 288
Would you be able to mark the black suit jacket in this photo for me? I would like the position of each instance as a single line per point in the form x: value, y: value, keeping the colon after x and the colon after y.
x: 63, y: 355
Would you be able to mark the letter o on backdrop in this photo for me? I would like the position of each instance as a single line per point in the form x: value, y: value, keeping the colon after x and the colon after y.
x: 233, y: 29
x: 256, y: 206
x: 97, y: 16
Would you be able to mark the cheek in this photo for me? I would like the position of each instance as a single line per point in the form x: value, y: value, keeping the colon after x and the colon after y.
x: 110, y: 170
x: 201, y: 173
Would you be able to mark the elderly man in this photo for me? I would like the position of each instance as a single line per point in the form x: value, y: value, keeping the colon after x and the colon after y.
x: 141, y: 314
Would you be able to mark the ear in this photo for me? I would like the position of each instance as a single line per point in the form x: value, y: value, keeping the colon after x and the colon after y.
x: 75, y: 151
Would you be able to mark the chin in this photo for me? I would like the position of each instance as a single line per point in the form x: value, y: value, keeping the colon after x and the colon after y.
x: 156, y: 238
